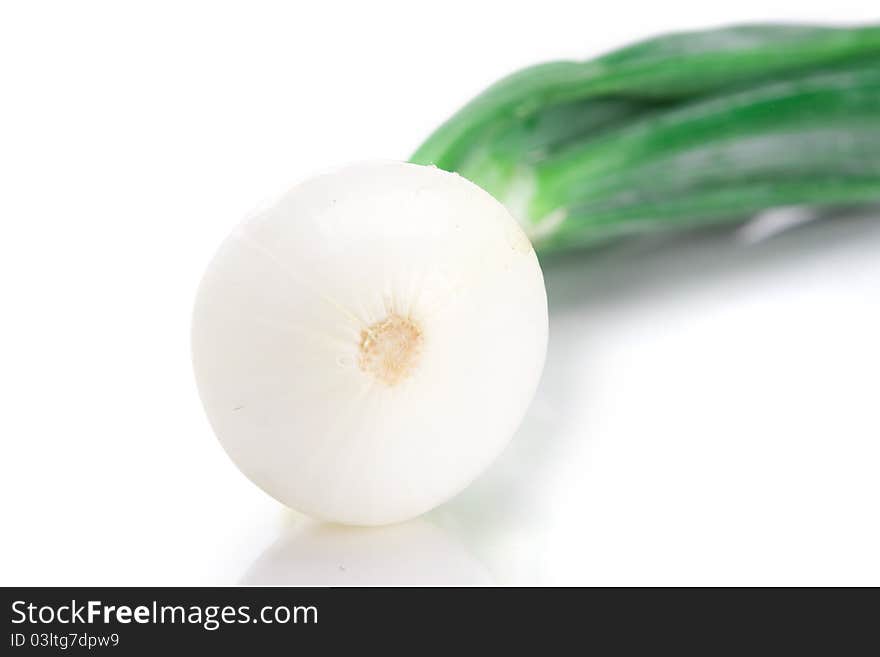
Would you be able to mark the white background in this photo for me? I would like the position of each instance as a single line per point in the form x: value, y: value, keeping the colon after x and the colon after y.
x: 709, y: 410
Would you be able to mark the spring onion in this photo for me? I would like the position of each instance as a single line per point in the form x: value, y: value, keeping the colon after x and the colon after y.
x: 366, y: 346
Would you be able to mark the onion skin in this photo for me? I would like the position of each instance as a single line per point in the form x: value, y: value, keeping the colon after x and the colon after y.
x: 366, y: 346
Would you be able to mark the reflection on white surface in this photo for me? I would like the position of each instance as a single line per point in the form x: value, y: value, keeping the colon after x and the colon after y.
x: 707, y: 415
x: 310, y: 553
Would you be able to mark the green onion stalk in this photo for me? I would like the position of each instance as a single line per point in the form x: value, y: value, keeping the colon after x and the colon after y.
x: 679, y: 131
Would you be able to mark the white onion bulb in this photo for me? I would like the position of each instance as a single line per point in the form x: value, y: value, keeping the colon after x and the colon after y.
x: 367, y: 346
